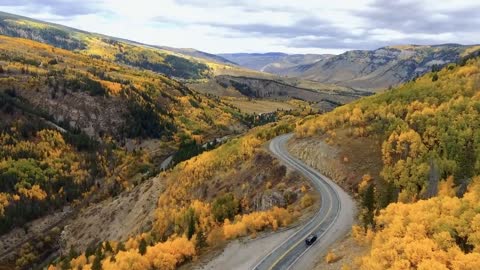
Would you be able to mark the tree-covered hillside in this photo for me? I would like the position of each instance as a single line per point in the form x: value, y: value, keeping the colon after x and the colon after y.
x: 99, y: 46
x: 101, y: 97
x: 430, y: 134
x: 72, y: 134
x: 66, y: 120
x: 233, y: 191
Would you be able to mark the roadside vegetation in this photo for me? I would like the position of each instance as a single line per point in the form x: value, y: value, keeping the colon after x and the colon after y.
x: 420, y: 211
x: 47, y: 159
x: 209, y: 199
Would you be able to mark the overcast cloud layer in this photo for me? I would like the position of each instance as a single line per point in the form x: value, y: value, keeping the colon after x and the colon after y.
x: 301, y: 26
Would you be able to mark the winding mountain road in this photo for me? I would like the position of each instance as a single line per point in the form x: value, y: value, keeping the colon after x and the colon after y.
x: 332, y: 221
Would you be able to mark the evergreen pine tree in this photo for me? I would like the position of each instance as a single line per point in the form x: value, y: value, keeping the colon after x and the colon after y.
x: 201, y: 239
x: 142, y: 247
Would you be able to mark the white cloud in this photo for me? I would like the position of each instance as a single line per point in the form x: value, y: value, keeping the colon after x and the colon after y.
x: 301, y: 26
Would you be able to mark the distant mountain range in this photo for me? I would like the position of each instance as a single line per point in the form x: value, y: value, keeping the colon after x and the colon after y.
x: 360, y: 69
x: 371, y: 70
x: 276, y: 63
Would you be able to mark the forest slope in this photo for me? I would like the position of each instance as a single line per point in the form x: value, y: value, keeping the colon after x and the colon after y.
x: 426, y: 135
x: 51, y: 159
x: 108, y: 48
x: 233, y: 191
x: 100, y: 97
x: 66, y: 118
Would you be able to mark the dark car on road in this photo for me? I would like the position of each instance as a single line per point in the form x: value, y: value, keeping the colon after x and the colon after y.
x: 311, y: 239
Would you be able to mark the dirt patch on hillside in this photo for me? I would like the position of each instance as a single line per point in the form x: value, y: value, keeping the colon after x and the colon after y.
x: 115, y: 219
x: 344, y: 159
x: 38, y: 227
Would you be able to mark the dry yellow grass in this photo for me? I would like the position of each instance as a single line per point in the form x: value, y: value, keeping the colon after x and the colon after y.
x: 259, y: 106
x: 331, y: 257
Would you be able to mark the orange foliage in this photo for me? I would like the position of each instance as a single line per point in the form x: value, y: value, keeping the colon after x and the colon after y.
x: 366, y: 180
x: 79, y: 262
x: 422, y: 235
x: 167, y: 255
x: 126, y: 260
x: 446, y: 188
x: 34, y: 193
x: 3, y: 203
x: 113, y: 87
x: 331, y: 257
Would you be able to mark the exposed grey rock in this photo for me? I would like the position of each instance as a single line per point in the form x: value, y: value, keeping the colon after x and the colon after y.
x: 269, y: 199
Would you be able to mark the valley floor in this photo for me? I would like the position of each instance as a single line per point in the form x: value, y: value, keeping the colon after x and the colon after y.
x: 259, y: 106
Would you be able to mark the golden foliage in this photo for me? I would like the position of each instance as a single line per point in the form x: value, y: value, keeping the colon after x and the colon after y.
x: 361, y: 236
x: 166, y: 255
x: 169, y: 254
x: 79, y: 262
x: 34, y: 193
x: 421, y: 122
x: 3, y: 202
x: 446, y: 188
x: 366, y: 180
x: 307, y: 201
x: 257, y: 221
x: 29, y: 165
x: 127, y: 260
x: 442, y: 232
x: 216, y: 236
x: 331, y: 257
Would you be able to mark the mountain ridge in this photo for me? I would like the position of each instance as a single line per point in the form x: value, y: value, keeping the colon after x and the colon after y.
x: 125, y: 51
x: 365, y: 69
x: 273, y: 62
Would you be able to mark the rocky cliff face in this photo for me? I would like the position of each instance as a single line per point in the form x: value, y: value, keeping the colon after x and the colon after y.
x: 363, y: 69
x: 93, y: 115
x: 381, y: 68
x: 263, y: 88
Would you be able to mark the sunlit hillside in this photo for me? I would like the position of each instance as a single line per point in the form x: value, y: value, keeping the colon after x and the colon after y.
x: 236, y: 190
x: 217, y: 135
x: 79, y: 111
x: 430, y: 141
x: 73, y: 133
x: 101, y: 97
x: 103, y: 47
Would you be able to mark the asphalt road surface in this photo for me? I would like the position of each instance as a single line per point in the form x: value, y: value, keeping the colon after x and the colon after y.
x: 332, y: 221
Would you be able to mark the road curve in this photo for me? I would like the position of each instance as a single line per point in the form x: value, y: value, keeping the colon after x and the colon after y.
x: 332, y: 221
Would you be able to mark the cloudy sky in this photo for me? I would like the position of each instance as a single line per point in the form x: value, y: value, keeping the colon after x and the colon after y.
x: 292, y: 26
